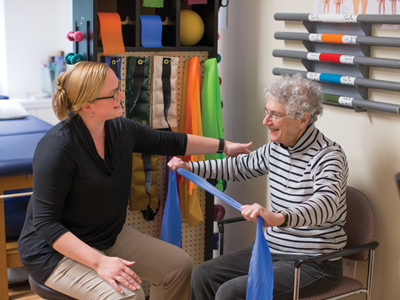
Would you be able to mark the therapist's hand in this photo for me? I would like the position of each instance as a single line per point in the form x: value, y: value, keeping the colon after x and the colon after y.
x: 270, y: 219
x: 115, y: 269
x: 176, y: 163
x: 234, y: 149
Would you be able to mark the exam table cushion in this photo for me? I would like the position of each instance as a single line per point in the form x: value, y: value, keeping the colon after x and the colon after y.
x: 18, y: 141
x: 30, y: 124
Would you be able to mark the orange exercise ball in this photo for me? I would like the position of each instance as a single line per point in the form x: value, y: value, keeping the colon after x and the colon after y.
x: 192, y: 28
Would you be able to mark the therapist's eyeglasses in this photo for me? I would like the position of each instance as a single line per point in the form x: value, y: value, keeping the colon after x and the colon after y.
x: 115, y: 96
x: 273, y: 116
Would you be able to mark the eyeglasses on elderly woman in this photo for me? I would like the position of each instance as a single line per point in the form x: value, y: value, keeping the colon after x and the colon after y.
x: 273, y: 116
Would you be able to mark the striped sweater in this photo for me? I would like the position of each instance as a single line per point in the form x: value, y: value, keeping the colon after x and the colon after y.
x: 307, y: 182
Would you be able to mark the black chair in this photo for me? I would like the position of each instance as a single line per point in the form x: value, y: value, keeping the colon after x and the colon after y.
x: 360, y: 246
x: 46, y: 292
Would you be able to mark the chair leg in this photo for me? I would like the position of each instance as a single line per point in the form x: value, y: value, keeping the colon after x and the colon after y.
x: 370, y: 274
x: 221, y: 243
x: 296, y: 286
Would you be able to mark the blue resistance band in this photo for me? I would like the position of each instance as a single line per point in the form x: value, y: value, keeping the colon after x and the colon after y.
x: 260, y: 283
x: 209, y: 188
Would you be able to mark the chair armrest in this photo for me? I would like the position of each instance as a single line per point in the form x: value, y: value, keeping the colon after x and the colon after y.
x: 221, y: 223
x: 337, y: 254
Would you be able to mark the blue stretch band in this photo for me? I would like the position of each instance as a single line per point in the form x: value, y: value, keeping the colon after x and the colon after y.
x: 260, y: 283
x: 330, y: 78
x: 209, y: 188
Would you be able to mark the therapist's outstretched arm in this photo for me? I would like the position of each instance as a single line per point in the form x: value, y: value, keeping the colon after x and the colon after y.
x: 203, y: 145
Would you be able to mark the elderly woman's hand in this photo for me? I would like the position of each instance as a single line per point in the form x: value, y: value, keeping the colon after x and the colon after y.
x: 270, y: 219
x: 234, y: 149
x: 176, y: 163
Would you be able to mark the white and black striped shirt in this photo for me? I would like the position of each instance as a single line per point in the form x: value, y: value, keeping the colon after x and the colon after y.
x: 307, y: 182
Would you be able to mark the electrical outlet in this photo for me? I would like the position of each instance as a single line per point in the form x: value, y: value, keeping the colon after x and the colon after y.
x: 349, y: 268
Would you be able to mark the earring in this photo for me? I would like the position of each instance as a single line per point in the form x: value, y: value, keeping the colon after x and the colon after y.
x: 91, y: 115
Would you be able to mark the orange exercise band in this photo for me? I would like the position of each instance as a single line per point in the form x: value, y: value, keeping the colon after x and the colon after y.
x: 110, y: 33
x: 332, y: 38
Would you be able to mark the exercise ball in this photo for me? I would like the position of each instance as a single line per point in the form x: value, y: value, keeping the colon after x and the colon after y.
x: 192, y: 28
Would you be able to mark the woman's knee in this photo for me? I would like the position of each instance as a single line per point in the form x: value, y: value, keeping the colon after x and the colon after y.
x: 184, y: 264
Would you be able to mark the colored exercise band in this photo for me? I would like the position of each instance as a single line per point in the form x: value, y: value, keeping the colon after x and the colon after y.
x: 339, y: 79
x: 368, y: 104
x: 338, y: 18
x: 333, y: 38
x: 328, y: 57
x: 338, y: 58
x: 260, y: 283
x: 332, y: 18
x: 209, y: 188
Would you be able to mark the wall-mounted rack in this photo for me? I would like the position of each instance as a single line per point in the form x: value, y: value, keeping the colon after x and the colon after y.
x: 341, y: 61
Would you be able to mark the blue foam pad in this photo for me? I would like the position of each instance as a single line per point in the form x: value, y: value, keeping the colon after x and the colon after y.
x: 30, y: 124
x: 151, y: 31
x: 16, y: 153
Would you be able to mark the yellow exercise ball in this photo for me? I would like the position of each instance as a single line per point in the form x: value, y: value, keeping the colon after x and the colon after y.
x: 192, y: 28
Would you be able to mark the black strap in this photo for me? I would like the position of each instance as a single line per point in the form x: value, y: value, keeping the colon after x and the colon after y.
x: 166, y: 85
x: 138, y: 77
x: 148, y: 214
x: 114, y: 65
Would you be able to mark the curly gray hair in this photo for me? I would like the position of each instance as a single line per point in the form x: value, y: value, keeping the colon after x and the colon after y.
x: 298, y: 94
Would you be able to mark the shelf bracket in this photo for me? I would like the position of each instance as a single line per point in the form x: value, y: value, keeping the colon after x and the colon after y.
x: 309, y: 65
x: 309, y: 45
x: 363, y: 91
x: 366, y: 28
x: 310, y: 26
x: 364, y: 70
x: 365, y: 49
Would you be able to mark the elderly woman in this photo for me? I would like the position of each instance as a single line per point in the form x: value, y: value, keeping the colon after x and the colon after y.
x: 308, y: 174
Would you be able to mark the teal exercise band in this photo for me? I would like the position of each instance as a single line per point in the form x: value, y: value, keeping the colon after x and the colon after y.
x: 260, y: 284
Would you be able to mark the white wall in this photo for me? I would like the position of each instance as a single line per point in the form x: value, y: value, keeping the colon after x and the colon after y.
x: 33, y: 31
x: 370, y: 140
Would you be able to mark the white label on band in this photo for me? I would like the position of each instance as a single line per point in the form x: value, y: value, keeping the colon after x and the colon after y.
x: 314, y: 18
x: 313, y: 56
x: 332, y: 18
x: 347, y: 80
x: 313, y: 76
x: 347, y: 59
x: 345, y: 101
x: 350, y: 18
x: 349, y: 39
x: 313, y: 37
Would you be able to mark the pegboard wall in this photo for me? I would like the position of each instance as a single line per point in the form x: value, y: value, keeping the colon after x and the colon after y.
x: 193, y: 238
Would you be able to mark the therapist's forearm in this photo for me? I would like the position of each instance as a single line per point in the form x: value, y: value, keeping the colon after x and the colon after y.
x: 201, y: 145
x: 71, y: 246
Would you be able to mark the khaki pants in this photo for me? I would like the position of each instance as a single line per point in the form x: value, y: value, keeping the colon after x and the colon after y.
x: 167, y: 267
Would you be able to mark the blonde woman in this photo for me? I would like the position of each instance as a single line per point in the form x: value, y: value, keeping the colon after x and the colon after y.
x: 74, y: 238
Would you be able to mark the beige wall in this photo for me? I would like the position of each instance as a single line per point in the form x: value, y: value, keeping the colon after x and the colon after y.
x: 370, y: 140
